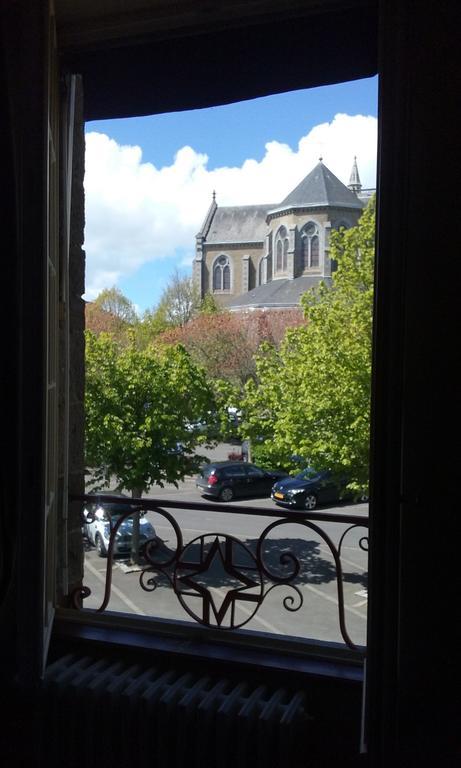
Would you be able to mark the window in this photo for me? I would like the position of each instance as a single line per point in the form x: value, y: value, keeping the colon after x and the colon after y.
x: 222, y: 274
x: 281, y: 250
x: 310, y: 250
x: 315, y: 251
x: 223, y: 225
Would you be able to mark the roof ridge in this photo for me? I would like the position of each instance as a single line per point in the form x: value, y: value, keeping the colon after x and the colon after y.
x: 320, y: 187
x: 205, y: 228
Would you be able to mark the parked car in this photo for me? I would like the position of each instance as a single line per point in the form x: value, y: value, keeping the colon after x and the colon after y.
x: 309, y: 488
x: 176, y: 450
x: 228, y: 479
x: 100, y: 518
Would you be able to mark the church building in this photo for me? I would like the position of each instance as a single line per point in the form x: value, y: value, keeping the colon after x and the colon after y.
x: 267, y: 256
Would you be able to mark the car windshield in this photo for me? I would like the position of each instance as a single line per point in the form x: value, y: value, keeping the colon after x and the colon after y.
x: 112, y: 511
x: 308, y: 474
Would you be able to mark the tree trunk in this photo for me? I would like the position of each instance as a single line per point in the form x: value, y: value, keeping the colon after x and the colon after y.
x: 135, y: 560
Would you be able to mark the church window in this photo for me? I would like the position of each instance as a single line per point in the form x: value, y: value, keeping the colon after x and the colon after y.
x: 221, y: 274
x: 279, y: 262
x: 281, y: 250
x: 226, y: 278
x: 315, y: 251
x: 310, y: 246
x: 304, y: 252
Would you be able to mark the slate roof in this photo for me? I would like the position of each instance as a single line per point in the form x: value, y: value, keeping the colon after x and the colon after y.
x: 320, y: 188
x: 277, y: 293
x: 238, y: 224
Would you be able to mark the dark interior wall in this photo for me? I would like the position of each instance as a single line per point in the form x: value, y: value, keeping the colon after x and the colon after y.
x: 23, y: 45
x: 75, y: 428
x: 414, y: 594
x: 414, y: 641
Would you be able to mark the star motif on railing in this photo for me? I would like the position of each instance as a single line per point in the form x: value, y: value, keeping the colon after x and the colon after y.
x: 226, y: 562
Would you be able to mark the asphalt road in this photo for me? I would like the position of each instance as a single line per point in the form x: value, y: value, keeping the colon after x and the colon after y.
x: 307, y: 608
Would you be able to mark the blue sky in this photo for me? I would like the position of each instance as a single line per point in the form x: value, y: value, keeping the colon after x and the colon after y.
x: 149, y: 180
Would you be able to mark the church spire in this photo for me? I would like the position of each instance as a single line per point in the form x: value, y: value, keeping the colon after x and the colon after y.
x: 355, y: 185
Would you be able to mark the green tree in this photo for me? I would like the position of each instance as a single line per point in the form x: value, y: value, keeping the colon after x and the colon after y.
x: 209, y: 305
x: 113, y: 301
x: 179, y: 302
x: 311, y: 397
x: 149, y: 327
x: 138, y: 407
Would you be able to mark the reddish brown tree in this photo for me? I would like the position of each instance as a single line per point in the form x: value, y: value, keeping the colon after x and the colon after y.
x: 99, y: 320
x: 225, y: 343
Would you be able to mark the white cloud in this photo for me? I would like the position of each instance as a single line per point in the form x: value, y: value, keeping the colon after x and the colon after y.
x: 137, y: 213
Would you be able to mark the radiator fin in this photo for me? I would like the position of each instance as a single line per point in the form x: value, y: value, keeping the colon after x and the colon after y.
x: 103, y: 712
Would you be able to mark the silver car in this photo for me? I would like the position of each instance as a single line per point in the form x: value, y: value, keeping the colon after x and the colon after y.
x: 101, y: 517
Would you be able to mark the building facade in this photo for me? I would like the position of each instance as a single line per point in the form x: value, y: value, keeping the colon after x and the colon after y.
x: 267, y: 256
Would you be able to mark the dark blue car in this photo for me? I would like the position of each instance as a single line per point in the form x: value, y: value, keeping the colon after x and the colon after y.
x: 309, y: 488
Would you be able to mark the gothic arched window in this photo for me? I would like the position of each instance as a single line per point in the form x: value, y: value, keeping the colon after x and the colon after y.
x: 222, y: 274
x: 281, y: 250
x: 315, y: 251
x: 310, y: 246
x: 304, y: 253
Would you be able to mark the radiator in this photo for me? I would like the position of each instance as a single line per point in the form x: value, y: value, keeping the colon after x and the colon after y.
x: 102, y: 712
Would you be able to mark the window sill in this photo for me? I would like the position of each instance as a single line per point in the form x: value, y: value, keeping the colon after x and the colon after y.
x: 254, y: 651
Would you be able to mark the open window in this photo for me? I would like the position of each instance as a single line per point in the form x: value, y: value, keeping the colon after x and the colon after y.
x: 119, y: 100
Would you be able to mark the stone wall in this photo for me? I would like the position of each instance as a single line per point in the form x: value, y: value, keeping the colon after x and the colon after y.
x: 73, y: 432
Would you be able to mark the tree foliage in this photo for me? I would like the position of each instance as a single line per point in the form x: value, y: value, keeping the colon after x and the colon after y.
x: 311, y: 397
x: 225, y: 343
x: 209, y: 305
x: 112, y: 312
x: 139, y: 405
x: 98, y: 320
x: 114, y: 302
x: 179, y: 302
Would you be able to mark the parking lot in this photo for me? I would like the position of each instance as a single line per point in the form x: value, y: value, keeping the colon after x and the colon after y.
x: 306, y: 607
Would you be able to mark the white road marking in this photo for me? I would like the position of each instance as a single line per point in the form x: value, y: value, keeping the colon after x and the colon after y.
x: 334, y: 600
x: 132, y: 606
x: 344, y: 559
x: 270, y: 627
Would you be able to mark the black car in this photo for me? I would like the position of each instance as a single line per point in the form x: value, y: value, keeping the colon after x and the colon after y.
x: 309, y: 488
x: 228, y: 479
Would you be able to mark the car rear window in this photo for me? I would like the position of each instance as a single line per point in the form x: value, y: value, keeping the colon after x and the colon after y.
x: 207, y: 471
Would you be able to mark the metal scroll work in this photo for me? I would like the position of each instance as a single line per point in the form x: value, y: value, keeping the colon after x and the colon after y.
x: 221, y: 581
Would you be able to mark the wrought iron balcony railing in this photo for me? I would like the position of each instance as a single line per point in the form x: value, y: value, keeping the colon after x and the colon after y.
x: 189, y: 566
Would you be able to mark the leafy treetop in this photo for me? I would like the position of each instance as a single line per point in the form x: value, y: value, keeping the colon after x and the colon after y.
x: 139, y: 405
x: 311, y: 397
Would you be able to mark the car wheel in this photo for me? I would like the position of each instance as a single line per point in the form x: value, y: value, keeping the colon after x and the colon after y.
x: 227, y: 494
x: 310, y: 502
x: 100, y: 548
